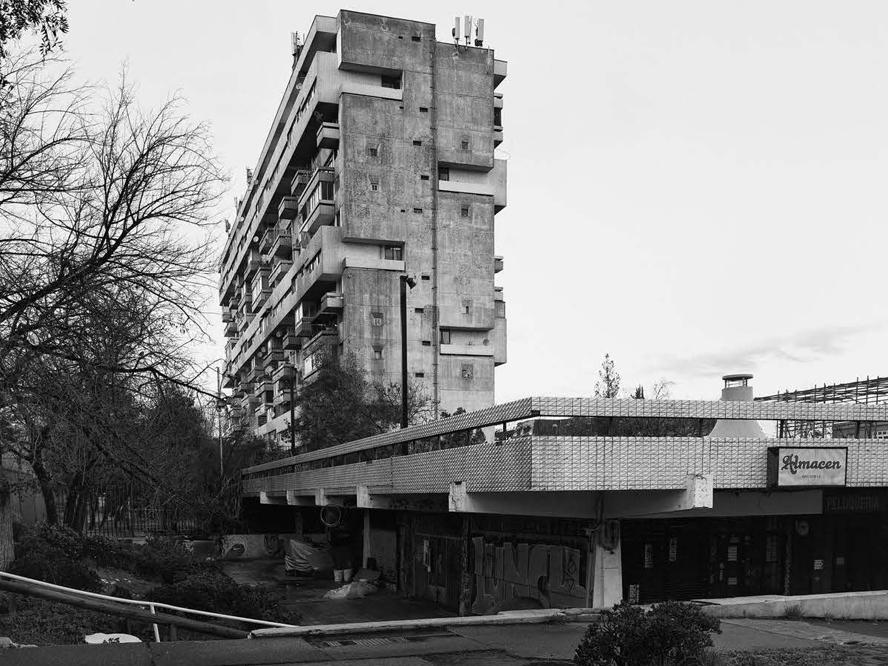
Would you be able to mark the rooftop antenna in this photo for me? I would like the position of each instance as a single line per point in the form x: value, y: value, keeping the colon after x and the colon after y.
x: 479, y: 33
x: 455, y: 32
x: 467, y: 27
x: 295, y: 46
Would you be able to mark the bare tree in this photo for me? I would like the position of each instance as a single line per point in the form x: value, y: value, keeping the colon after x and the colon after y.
x: 608, y: 384
x: 100, y: 208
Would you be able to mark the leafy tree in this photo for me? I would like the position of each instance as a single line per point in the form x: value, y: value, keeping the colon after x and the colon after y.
x: 46, y: 18
x: 341, y: 405
x: 608, y: 384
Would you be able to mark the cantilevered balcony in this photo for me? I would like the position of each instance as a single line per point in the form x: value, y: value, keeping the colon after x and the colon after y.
x: 274, y: 356
x: 254, y: 261
x: 282, y: 246
x: 328, y: 135
x: 261, y: 287
x: 279, y: 268
x: 331, y: 303
x: 291, y: 340
x: 265, y: 241
x: 497, y: 264
x: 316, y: 203
x: 231, y: 329
x: 304, y: 318
x: 288, y: 208
x: 300, y: 180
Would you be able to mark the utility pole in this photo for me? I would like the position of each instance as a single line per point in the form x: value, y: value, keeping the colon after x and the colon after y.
x: 405, y: 281
x: 220, y: 405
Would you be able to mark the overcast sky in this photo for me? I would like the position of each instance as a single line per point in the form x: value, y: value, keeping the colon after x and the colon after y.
x: 695, y: 188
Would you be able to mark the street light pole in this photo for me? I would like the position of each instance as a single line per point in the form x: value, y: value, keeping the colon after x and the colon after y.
x: 292, y: 424
x: 405, y: 281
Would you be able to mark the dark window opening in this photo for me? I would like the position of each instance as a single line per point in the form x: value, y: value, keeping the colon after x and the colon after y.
x: 497, y: 117
x: 417, y: 143
x: 374, y: 185
x: 416, y: 38
x: 417, y: 210
x: 426, y: 343
x: 372, y: 151
x: 418, y: 310
x: 377, y: 354
x: 391, y: 82
x: 464, y: 211
x: 424, y: 176
x: 393, y: 252
x: 443, y: 173
x: 419, y: 374
x: 445, y: 336
x: 426, y: 277
x: 464, y: 145
x: 423, y: 109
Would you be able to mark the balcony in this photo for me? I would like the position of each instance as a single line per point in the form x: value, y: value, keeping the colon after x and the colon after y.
x: 288, y: 208
x: 331, y: 303
x: 227, y: 316
x: 231, y: 329
x: 282, y: 246
x: 279, y: 269
x: 267, y: 238
x: 291, y: 341
x: 261, y: 287
x: 328, y: 135
x: 283, y: 373
x: 500, y: 70
x: 316, y: 203
x: 254, y: 261
x: 497, y: 264
x: 300, y: 180
x: 304, y: 323
x: 273, y: 357
x: 255, y: 374
x: 261, y: 390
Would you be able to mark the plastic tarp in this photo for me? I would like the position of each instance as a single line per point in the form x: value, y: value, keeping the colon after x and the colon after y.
x: 306, y: 558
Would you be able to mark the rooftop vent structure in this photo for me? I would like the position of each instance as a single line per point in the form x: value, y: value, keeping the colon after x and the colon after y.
x: 737, y: 388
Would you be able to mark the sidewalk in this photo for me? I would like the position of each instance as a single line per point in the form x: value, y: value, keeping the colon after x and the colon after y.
x: 507, y: 645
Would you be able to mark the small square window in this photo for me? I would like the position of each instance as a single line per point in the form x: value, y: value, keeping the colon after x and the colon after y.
x: 372, y: 151
x: 425, y: 277
x: 393, y: 252
x: 445, y: 336
x: 419, y: 374
x: 464, y: 145
x: 423, y: 109
x: 417, y: 143
x: 418, y: 310
x: 374, y: 185
x: 426, y: 343
x: 464, y: 211
x: 424, y: 176
x: 443, y: 173
x: 377, y: 354
x: 417, y: 210
x: 416, y: 38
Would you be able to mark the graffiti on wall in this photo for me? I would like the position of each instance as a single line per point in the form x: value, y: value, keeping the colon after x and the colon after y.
x: 508, y: 576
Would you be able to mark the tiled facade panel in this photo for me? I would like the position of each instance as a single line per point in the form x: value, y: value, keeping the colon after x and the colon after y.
x: 530, y: 407
x: 663, y: 463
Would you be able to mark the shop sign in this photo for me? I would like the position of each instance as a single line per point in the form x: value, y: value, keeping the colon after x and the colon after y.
x: 799, y: 466
x: 871, y: 501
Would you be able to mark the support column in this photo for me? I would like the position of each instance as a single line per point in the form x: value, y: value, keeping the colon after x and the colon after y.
x: 365, y: 548
x: 607, y: 586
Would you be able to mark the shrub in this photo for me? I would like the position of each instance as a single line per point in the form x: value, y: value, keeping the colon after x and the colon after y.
x: 53, y: 566
x: 41, y: 622
x: 216, y: 592
x: 163, y: 558
x: 670, y: 633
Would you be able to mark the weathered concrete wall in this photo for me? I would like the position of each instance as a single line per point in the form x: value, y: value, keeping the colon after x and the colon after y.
x: 464, y: 99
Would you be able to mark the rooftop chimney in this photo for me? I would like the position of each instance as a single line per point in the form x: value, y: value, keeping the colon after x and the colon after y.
x: 737, y: 388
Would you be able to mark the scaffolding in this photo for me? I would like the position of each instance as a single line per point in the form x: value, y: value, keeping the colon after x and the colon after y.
x: 863, y: 391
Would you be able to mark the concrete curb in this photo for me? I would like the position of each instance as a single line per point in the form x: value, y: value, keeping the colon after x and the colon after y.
x: 543, y: 616
x: 870, y: 605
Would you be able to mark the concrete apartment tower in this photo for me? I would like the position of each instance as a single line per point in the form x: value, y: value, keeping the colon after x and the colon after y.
x: 379, y: 163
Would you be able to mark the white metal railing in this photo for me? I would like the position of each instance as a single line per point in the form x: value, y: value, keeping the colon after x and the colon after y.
x: 150, y: 605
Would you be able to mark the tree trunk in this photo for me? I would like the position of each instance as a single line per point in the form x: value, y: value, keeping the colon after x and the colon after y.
x: 7, y: 548
x: 52, y: 512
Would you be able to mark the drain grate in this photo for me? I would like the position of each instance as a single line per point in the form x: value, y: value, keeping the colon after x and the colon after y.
x: 377, y: 641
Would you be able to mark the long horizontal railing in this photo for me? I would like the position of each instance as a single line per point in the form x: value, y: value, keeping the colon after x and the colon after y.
x: 33, y: 586
x: 527, y: 408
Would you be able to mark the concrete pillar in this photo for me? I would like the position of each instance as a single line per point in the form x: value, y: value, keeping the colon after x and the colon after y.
x: 365, y: 549
x: 607, y: 588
